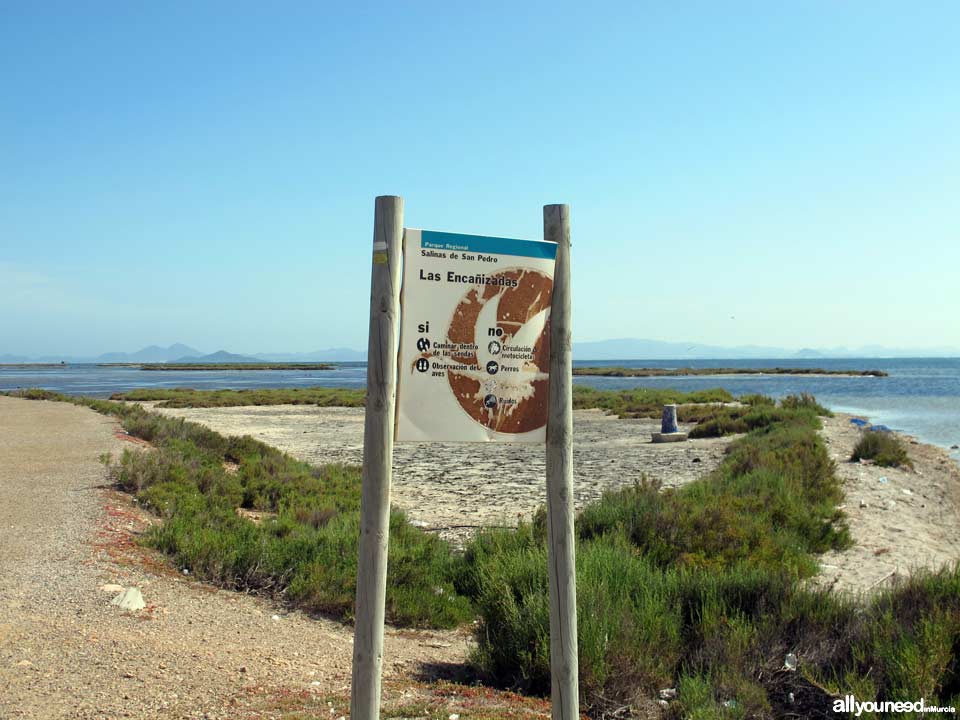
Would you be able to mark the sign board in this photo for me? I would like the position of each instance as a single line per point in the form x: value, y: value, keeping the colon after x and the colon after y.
x: 474, y: 338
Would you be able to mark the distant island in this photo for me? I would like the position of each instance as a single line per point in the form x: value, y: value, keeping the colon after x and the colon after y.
x: 681, y: 372
x: 235, y: 366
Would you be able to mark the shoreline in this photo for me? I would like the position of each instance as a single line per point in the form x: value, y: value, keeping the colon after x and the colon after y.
x: 875, y: 417
x: 900, y: 519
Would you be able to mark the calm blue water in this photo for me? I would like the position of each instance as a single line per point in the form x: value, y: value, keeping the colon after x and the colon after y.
x: 920, y: 397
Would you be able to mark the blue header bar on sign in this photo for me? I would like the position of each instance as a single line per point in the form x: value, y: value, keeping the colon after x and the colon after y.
x: 432, y: 240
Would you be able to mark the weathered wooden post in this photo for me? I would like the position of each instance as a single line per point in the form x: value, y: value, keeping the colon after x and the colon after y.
x: 377, y: 458
x: 560, y: 530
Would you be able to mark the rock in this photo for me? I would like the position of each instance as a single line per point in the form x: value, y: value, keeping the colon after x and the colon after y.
x: 790, y: 662
x: 668, y: 694
x: 274, y: 617
x: 863, y: 504
x: 129, y: 599
x: 663, y: 703
x: 955, y: 447
x: 24, y: 663
x: 186, y: 571
x: 111, y: 588
x: 454, y: 716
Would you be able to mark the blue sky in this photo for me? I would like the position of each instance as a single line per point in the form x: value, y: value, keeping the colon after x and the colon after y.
x: 741, y: 172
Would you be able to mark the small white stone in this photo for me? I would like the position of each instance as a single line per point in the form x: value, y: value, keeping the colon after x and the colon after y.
x: 111, y: 588
x: 129, y: 599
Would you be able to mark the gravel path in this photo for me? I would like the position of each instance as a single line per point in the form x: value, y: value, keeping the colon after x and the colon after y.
x: 194, y: 652
x: 456, y: 487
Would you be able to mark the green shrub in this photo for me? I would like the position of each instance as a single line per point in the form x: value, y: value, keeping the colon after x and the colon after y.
x: 804, y: 401
x: 883, y: 448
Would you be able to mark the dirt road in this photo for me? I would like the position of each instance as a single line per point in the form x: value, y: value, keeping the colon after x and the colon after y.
x: 193, y: 652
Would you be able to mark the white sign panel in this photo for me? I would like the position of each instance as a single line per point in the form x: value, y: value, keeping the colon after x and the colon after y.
x: 474, y: 338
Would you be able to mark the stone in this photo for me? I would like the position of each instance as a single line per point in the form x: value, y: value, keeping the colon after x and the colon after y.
x: 668, y: 694
x: 111, y: 588
x: 129, y: 599
x: 668, y: 437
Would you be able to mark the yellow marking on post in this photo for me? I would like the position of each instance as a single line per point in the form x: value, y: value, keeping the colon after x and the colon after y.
x: 379, y: 258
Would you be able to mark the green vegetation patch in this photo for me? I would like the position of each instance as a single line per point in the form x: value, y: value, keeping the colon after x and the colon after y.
x: 645, y: 402
x: 189, y: 398
x: 701, y: 588
x: 883, y: 448
x: 755, y: 412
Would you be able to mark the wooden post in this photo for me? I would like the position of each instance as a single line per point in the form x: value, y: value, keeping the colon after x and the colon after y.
x: 560, y: 532
x: 377, y: 458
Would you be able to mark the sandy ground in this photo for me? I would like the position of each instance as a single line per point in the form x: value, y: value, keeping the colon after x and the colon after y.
x: 194, y: 652
x: 456, y: 487
x: 900, y: 519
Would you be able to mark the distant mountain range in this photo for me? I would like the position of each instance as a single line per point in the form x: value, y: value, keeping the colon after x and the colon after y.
x: 180, y: 353
x: 636, y: 349
x: 619, y: 349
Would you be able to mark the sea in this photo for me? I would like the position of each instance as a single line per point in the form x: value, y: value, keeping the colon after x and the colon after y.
x: 920, y: 396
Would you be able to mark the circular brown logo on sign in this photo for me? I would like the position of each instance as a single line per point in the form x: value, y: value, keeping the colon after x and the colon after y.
x: 503, y: 384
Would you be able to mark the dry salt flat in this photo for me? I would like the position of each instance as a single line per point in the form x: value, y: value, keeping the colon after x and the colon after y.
x: 456, y: 487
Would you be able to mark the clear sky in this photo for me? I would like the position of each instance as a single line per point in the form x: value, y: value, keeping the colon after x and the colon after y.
x: 783, y: 173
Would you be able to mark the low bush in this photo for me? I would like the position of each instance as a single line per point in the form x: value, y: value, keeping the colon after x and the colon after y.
x: 883, y: 448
